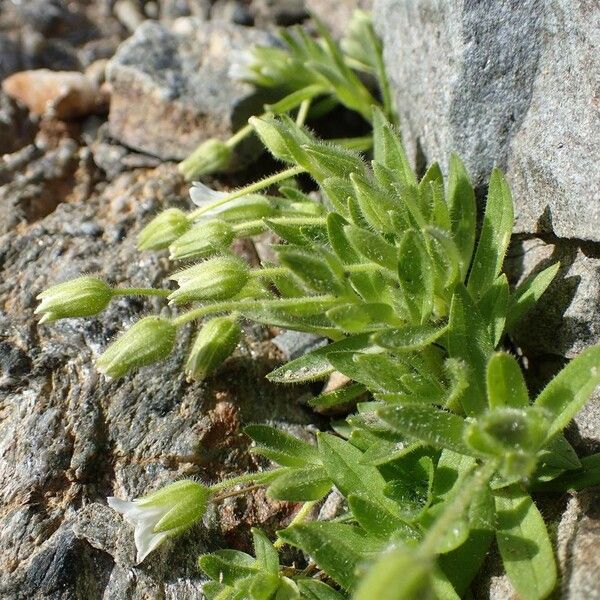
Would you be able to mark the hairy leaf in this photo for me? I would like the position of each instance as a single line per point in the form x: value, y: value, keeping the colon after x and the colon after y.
x: 524, y: 544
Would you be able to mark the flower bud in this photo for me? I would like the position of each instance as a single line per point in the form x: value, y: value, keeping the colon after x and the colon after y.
x: 202, y: 240
x: 214, y: 279
x: 167, y: 512
x: 211, y: 156
x: 163, y: 230
x: 214, y: 343
x: 149, y: 340
x: 81, y: 297
x: 283, y: 139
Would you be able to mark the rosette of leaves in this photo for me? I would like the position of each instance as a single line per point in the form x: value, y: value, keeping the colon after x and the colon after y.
x: 442, y: 457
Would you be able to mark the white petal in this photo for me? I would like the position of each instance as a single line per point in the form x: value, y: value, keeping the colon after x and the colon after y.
x: 201, y: 194
x: 146, y: 541
x: 144, y: 519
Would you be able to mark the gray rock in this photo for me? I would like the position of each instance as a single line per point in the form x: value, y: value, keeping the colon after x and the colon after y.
x: 279, y: 12
x: 171, y: 90
x: 337, y: 15
x: 69, y: 437
x: 16, y: 129
x: 10, y: 56
x: 513, y: 84
x: 233, y: 11
x: 294, y: 344
x: 567, y: 319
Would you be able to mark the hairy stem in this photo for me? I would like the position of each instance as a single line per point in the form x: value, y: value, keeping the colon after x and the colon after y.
x: 140, y: 292
x: 249, y: 189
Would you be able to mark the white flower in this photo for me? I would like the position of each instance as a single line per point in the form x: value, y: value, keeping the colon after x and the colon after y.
x: 201, y: 194
x: 144, y: 519
x: 240, y: 68
x: 169, y: 511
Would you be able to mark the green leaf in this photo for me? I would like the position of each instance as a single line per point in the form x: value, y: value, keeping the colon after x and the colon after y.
x: 213, y: 590
x: 524, y: 544
x: 342, y: 461
x: 290, y: 233
x: 505, y: 382
x: 337, y: 191
x: 338, y: 549
x: 446, y: 259
x: 495, y: 234
x: 559, y: 453
x: 312, y: 589
x: 432, y: 179
x: 372, y: 246
x: 427, y: 424
x: 313, y: 270
x: 339, y: 398
x: 412, y: 492
x: 398, y: 574
x: 338, y: 240
x: 355, y: 318
x: 410, y: 337
x: 315, y: 365
x: 468, y: 340
x: 463, y: 211
x: 493, y: 307
x: 587, y: 476
x: 564, y: 396
x: 266, y: 555
x: 301, y: 485
x: 264, y: 585
x: 416, y: 276
x: 380, y: 518
x: 282, y: 447
x: 228, y: 566
x: 375, y: 371
x: 373, y: 202
x: 528, y: 293
x: 388, y: 149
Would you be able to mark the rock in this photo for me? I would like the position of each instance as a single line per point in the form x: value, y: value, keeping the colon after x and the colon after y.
x: 337, y: 15
x: 513, y: 85
x: 63, y: 94
x: 279, y: 12
x: 232, y: 11
x: 180, y: 80
x: 16, y: 129
x: 294, y: 344
x: 567, y: 319
x: 172, y: 9
x: 10, y: 56
x: 129, y: 13
x: 69, y: 437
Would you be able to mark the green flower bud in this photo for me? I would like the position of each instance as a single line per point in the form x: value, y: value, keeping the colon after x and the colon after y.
x: 167, y: 512
x: 202, y: 240
x: 214, y: 343
x: 151, y: 339
x: 81, y: 297
x: 282, y: 137
x: 163, y: 230
x: 217, y: 278
x: 211, y: 156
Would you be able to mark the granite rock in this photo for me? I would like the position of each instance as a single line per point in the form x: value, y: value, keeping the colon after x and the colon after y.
x: 513, y: 84
x: 170, y: 89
